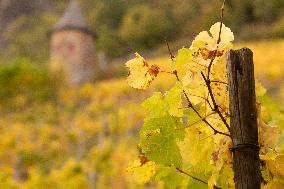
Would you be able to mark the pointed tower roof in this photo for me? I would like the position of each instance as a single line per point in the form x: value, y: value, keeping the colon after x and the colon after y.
x: 73, y: 19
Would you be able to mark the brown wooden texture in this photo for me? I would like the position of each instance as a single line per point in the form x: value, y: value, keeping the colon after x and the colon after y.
x: 243, y: 124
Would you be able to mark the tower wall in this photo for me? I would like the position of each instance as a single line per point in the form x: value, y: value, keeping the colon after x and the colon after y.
x: 72, y: 53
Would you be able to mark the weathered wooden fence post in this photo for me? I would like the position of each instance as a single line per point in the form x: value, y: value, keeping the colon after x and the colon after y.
x: 244, y: 130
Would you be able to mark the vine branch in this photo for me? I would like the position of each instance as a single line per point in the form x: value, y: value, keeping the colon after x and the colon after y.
x: 202, y: 119
x: 190, y: 105
x: 193, y: 177
x: 221, y: 82
x: 207, y: 80
x: 216, y: 107
x: 169, y: 49
x: 206, y: 100
x: 219, y: 39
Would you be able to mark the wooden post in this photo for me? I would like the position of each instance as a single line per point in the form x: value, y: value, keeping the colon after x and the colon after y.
x: 243, y: 122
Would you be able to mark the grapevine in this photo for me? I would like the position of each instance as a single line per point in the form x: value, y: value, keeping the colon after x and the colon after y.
x: 191, y: 143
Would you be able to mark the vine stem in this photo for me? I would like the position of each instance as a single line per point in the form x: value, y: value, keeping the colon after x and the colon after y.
x: 206, y: 100
x: 193, y: 177
x: 190, y: 105
x: 216, y: 107
x: 219, y: 39
x: 169, y: 49
x: 202, y: 119
x: 220, y: 82
x: 207, y: 80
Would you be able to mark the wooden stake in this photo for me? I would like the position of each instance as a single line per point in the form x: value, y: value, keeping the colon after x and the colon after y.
x: 243, y: 124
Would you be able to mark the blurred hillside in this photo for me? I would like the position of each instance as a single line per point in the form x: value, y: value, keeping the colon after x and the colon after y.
x: 58, y: 137
x: 125, y: 26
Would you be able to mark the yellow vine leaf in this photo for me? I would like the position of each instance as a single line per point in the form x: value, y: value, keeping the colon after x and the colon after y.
x: 221, y: 157
x: 269, y: 156
x: 194, y: 86
x: 140, y: 74
x: 188, y: 78
x: 268, y: 135
x: 142, y: 172
x: 227, y: 35
x: 276, y: 167
x: 210, y: 41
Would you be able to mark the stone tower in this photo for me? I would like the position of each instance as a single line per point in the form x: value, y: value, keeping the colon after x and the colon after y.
x: 72, y: 47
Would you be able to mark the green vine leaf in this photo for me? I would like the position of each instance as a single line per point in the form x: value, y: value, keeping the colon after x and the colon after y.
x: 155, y: 106
x: 174, y: 101
x: 161, y: 147
x: 184, y: 56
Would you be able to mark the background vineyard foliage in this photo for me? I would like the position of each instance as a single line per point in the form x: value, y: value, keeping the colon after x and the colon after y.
x: 25, y: 24
x: 57, y: 137
x: 77, y: 138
